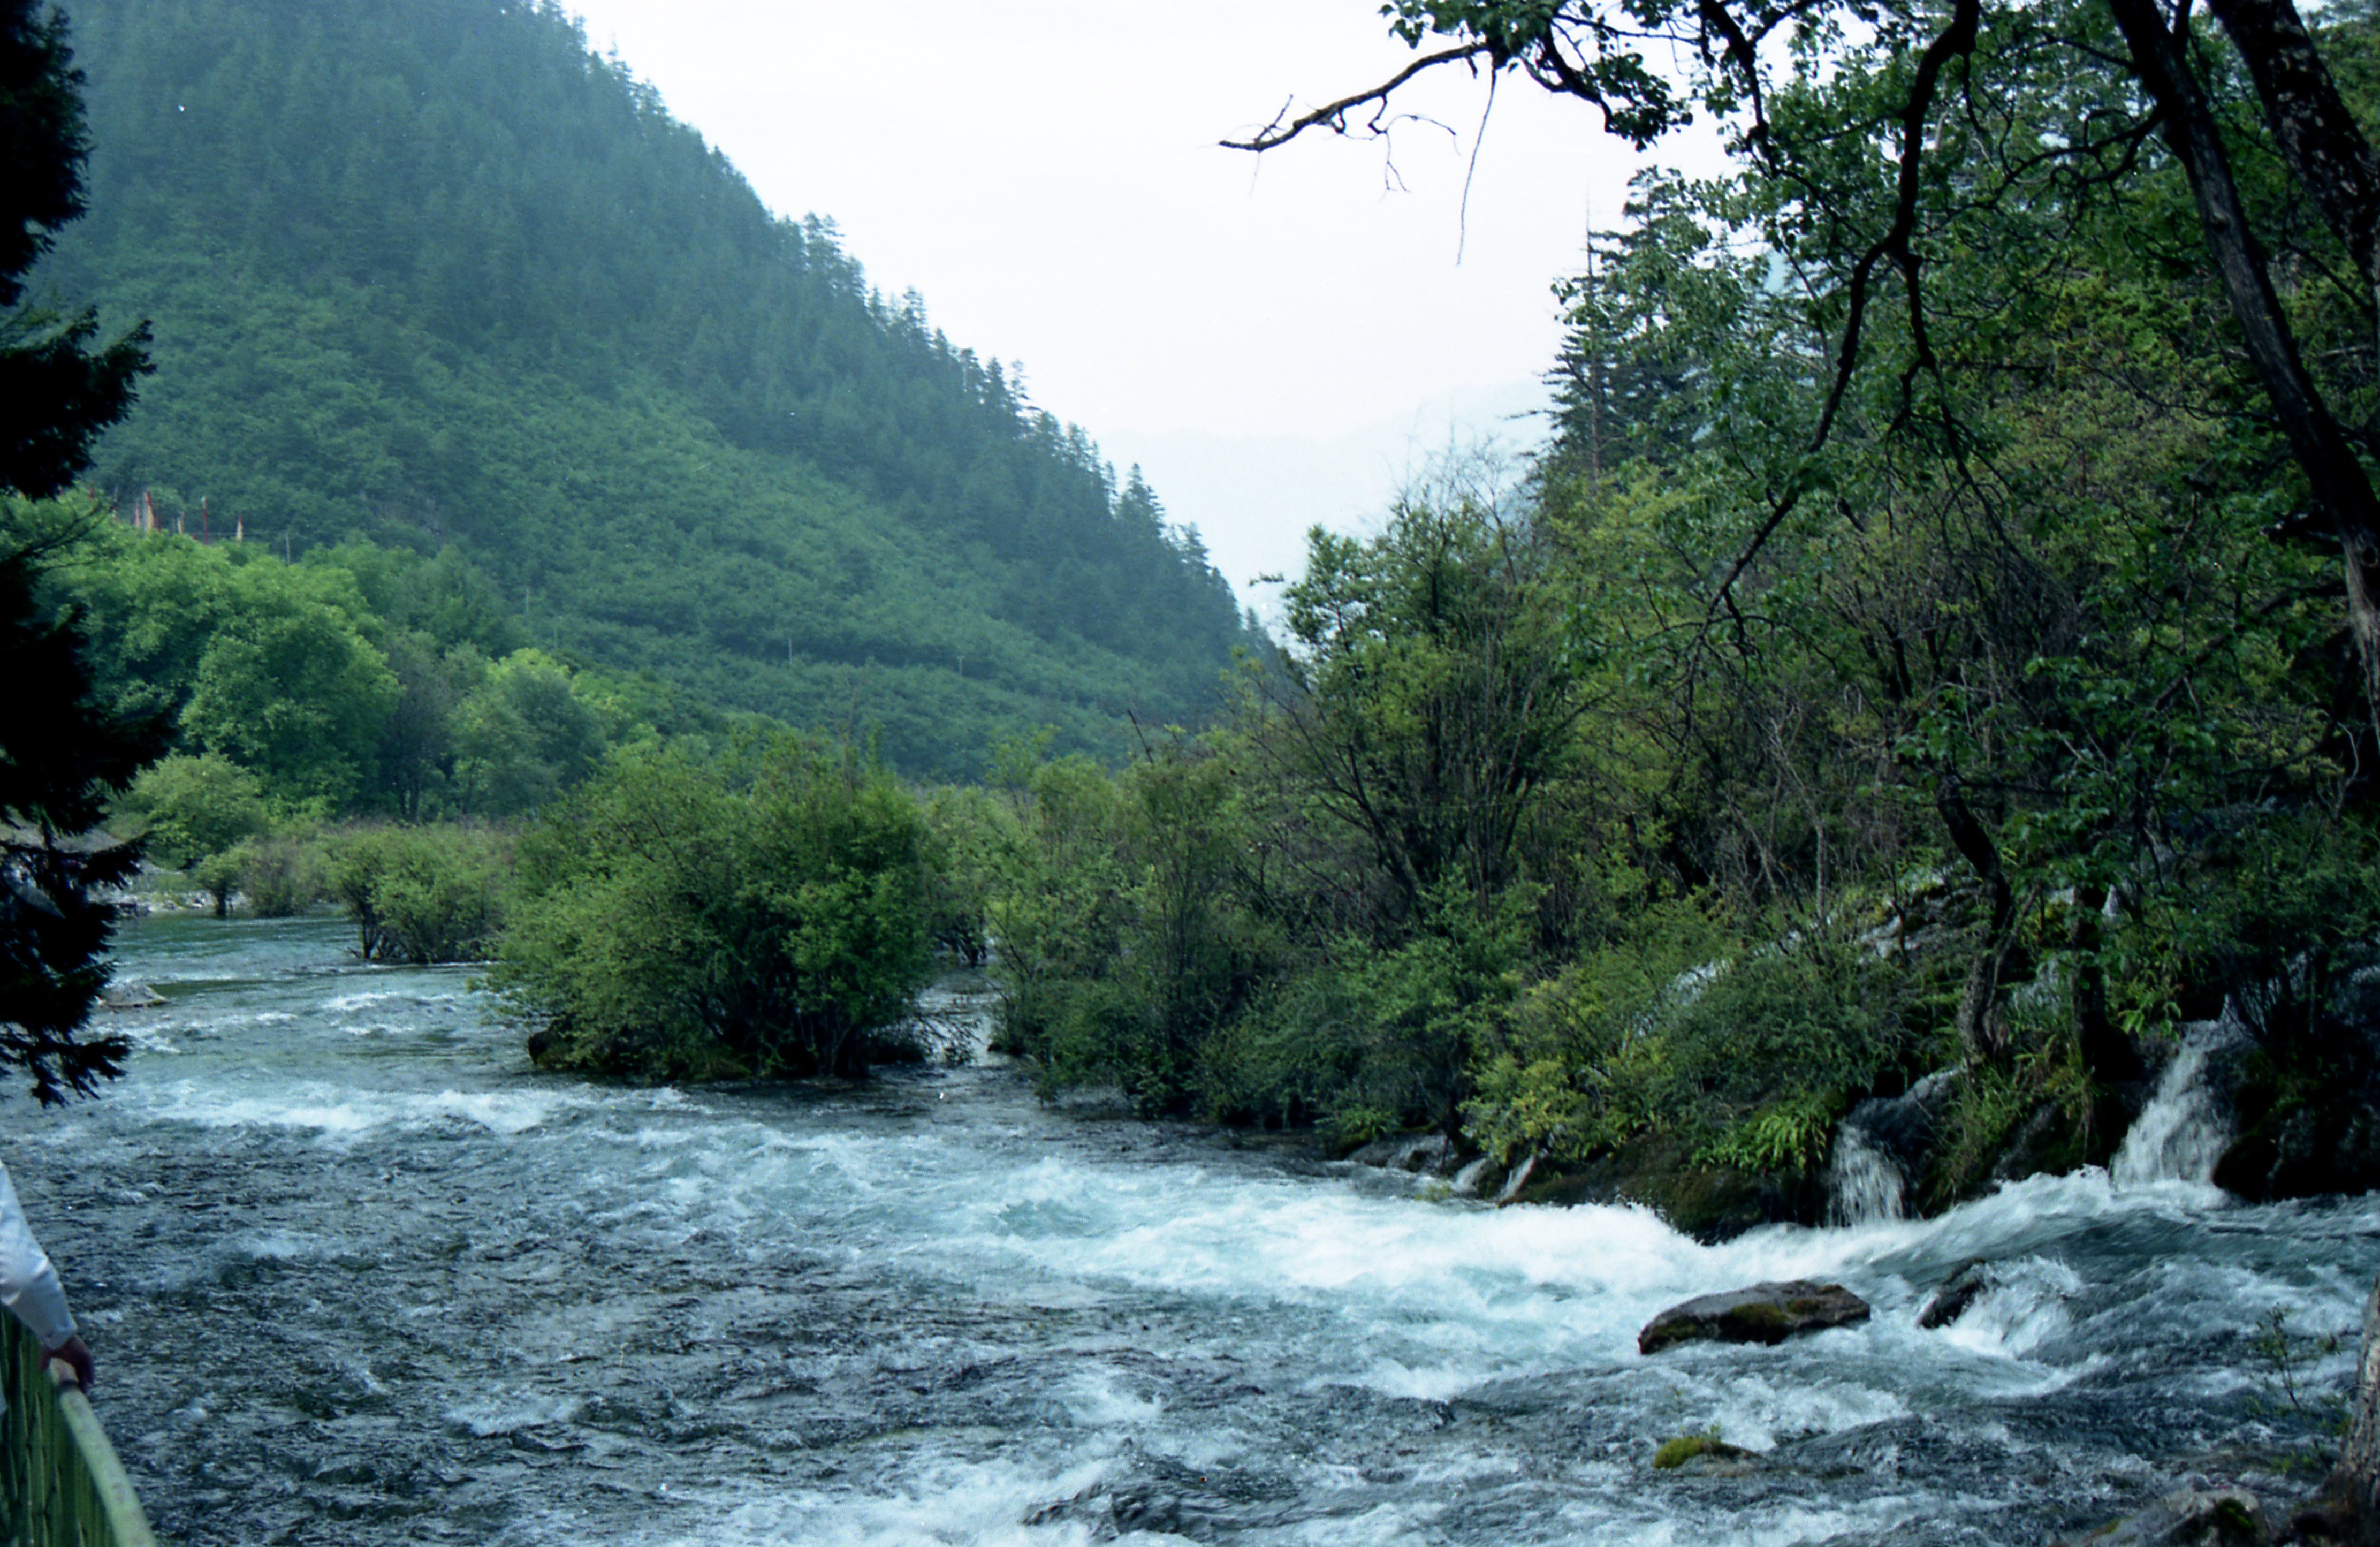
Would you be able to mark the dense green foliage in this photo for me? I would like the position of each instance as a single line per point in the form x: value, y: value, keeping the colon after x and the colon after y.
x: 196, y: 814
x: 1119, y: 945
x: 434, y: 276
x: 358, y: 680
x: 419, y: 894
x: 1809, y: 717
x: 760, y: 914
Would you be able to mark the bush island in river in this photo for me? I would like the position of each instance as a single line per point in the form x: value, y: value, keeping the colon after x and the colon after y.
x: 421, y: 894
x: 759, y: 915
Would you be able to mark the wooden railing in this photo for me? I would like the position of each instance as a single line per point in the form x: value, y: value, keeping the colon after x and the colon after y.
x: 60, y: 1482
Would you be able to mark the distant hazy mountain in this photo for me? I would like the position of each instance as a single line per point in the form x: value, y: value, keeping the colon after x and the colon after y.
x: 430, y: 272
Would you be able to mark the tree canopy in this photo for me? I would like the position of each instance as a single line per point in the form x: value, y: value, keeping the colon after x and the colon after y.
x: 1875, y: 136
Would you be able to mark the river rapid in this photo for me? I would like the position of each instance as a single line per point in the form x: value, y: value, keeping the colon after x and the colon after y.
x: 354, y: 1274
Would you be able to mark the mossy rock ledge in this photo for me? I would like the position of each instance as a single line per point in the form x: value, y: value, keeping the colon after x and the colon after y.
x: 1765, y: 1313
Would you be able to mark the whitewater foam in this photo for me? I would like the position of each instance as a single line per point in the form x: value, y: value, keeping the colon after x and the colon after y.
x: 926, y: 1311
x: 2182, y: 1133
x: 336, y: 1112
x: 1864, y: 1182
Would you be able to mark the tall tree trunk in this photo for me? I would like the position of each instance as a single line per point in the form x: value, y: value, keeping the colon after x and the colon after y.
x: 2106, y: 1050
x: 2321, y: 448
x: 1979, y: 1026
x: 2328, y: 153
x: 2348, y: 1508
x: 2317, y: 135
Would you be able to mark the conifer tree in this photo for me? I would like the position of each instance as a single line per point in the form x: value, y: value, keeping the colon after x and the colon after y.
x: 61, y: 752
x: 56, y: 392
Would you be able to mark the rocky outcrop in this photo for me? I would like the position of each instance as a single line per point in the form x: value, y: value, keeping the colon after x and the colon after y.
x: 2189, y: 1517
x: 1708, y: 1202
x: 1421, y: 1153
x: 1955, y: 1296
x: 1433, y: 1155
x: 1765, y: 1313
x: 1906, y: 1126
x: 2302, y: 1095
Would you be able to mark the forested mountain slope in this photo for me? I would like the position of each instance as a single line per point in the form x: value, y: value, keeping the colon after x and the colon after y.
x: 429, y: 272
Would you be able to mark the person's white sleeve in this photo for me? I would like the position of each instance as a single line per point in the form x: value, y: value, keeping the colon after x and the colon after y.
x: 28, y: 1286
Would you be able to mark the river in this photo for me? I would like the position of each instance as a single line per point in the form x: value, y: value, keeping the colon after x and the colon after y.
x: 354, y: 1274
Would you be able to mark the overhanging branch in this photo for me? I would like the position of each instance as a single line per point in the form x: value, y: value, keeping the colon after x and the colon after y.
x: 1333, y: 115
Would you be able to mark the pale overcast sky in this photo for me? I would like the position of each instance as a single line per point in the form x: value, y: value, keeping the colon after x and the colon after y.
x: 1276, y: 343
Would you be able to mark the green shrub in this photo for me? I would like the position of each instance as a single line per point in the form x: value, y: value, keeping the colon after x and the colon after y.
x: 1787, y: 1138
x: 281, y: 876
x: 967, y: 830
x: 194, y: 813
x: 2289, y: 901
x: 190, y: 808
x: 421, y: 894
x: 1989, y: 1114
x: 1744, y: 1055
x: 1754, y: 1069
x: 680, y: 919
x: 1293, y: 1058
x: 1126, y: 941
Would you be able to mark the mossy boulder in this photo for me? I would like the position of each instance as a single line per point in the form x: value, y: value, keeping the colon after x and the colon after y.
x: 1706, y: 1455
x: 1765, y: 1313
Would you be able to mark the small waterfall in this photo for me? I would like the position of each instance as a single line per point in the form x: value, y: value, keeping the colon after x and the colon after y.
x: 2182, y: 1133
x: 1864, y: 1182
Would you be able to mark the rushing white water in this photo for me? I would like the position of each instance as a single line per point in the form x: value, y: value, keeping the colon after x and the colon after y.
x: 1864, y: 1181
x: 2182, y: 1133
x: 355, y: 1274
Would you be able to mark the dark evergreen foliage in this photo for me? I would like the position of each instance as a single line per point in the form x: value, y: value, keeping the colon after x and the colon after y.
x: 61, y: 750
x: 431, y: 273
x: 56, y: 392
x: 60, y: 754
x: 40, y: 139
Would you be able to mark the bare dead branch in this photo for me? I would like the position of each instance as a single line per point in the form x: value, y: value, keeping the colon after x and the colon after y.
x: 1333, y: 115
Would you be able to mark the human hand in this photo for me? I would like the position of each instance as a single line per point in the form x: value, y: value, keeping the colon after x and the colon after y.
x: 76, y: 1354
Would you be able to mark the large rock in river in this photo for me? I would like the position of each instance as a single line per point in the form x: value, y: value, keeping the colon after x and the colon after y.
x: 1955, y: 1296
x: 1763, y: 1313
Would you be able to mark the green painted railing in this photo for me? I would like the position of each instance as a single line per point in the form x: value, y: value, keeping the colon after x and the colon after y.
x: 60, y: 1482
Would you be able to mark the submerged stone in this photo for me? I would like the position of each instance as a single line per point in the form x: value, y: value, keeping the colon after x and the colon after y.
x: 1955, y: 1296
x: 130, y: 996
x: 2189, y: 1517
x: 1765, y: 1313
